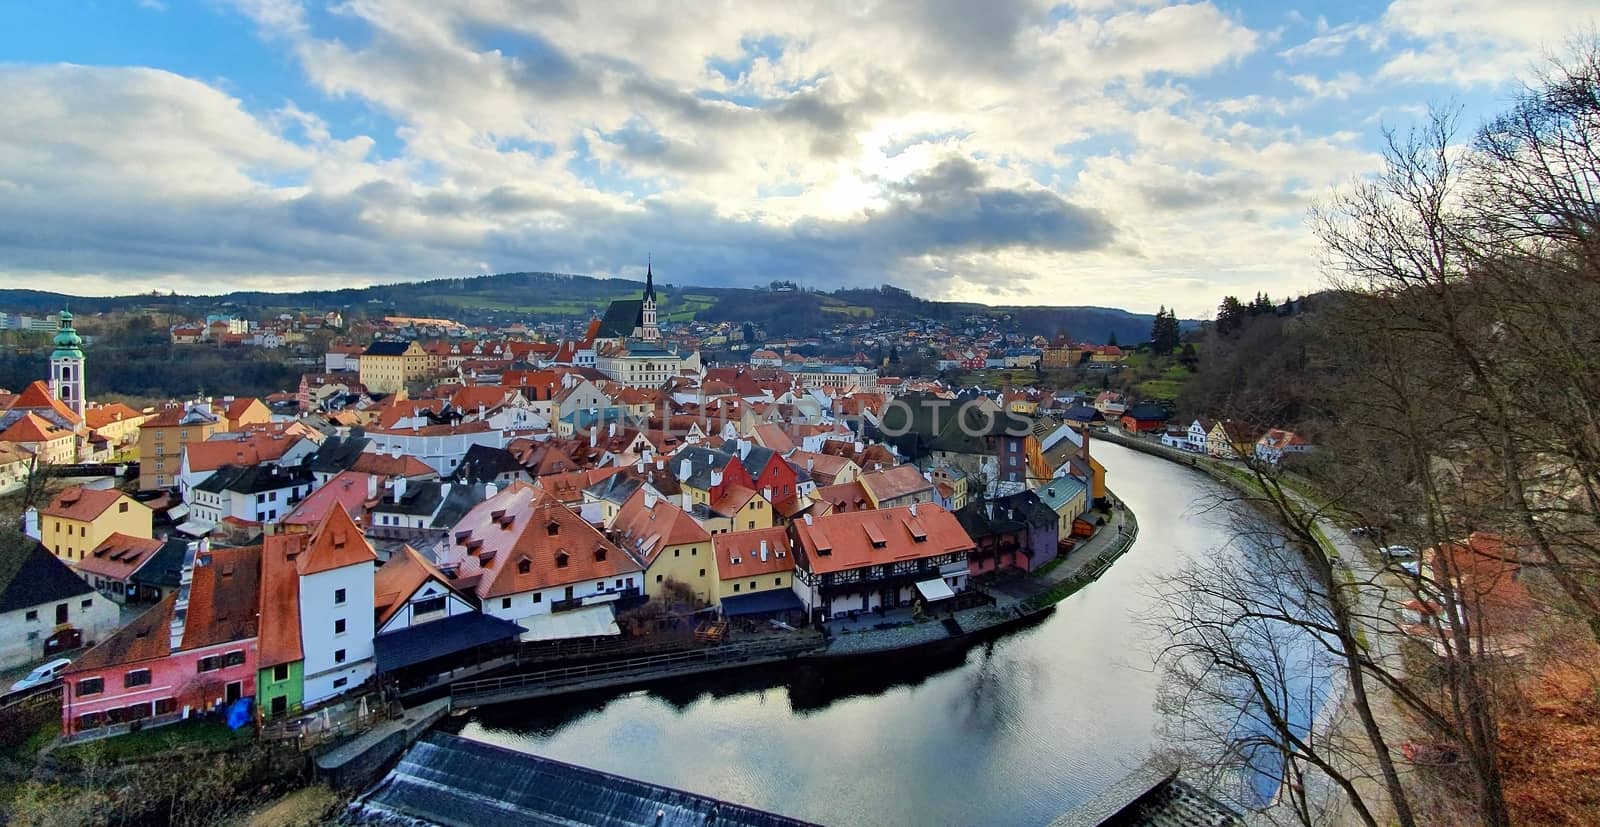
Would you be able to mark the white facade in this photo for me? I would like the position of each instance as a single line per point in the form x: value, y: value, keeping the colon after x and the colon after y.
x: 441, y: 452
x: 259, y: 507
x: 526, y: 604
x: 1198, y: 435
x: 66, y: 381
x: 429, y: 603
x: 24, y: 631
x: 338, y: 657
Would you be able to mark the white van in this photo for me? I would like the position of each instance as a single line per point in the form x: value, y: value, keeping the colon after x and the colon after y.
x: 47, y: 673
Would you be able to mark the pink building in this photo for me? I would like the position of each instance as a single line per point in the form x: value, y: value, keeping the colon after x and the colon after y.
x: 186, y: 655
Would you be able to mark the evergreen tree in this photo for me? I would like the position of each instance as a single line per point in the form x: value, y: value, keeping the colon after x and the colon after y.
x: 1164, y: 331
x: 1230, y: 316
x: 1113, y: 340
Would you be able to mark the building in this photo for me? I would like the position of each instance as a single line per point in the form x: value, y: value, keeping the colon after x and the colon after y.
x: 280, y: 661
x: 79, y: 519
x: 130, y: 570
x: 245, y: 410
x: 195, y: 651
x: 440, y: 447
x: 45, y: 609
x: 388, y: 366
x: 1017, y: 531
x: 670, y: 543
x: 1278, y: 443
x: 66, y: 367
x: 163, y: 436
x: 15, y: 465
x: 895, y: 487
x: 862, y: 560
x: 639, y: 364
x: 336, y: 608
x: 427, y: 625
x: 1144, y: 418
x: 249, y: 494
x: 115, y: 422
x: 51, y: 443
x: 528, y: 554
x: 835, y: 376
x: 1196, y: 436
x: 1067, y: 497
x: 755, y: 575
x: 633, y: 318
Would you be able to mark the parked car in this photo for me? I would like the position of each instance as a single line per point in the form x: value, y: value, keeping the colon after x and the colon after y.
x: 42, y: 675
x: 1398, y: 552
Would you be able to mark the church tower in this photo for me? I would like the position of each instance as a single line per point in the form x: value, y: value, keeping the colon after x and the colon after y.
x: 648, y: 330
x: 66, y: 366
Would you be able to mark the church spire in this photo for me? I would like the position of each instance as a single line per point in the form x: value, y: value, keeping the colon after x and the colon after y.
x: 649, y: 281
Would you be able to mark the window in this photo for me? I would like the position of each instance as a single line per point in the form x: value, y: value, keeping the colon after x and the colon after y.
x: 752, y: 585
x: 736, y: 587
x: 338, y: 656
x: 524, y: 565
x: 429, y: 606
x: 61, y: 613
x: 338, y: 597
x: 600, y: 555
x: 210, y: 663
x: 561, y: 560
x: 658, y: 578
x: 234, y: 658
x: 538, y: 598
x: 91, y: 686
x: 338, y: 626
x: 122, y: 508
x: 677, y: 552
x: 88, y: 721
x: 694, y: 552
x: 166, y: 706
x: 505, y: 602
x: 702, y: 572
x: 777, y: 581
x: 136, y: 677
x: 339, y: 683
x: 33, y: 615
x: 280, y: 672
x: 90, y: 602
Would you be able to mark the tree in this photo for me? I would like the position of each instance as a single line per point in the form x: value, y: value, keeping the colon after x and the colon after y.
x: 1164, y: 333
x: 1230, y: 316
x: 1112, y: 340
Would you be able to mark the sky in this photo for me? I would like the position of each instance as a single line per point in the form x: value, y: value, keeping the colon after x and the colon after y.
x: 1005, y: 151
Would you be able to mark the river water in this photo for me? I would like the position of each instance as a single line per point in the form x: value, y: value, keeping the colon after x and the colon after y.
x: 1014, y: 731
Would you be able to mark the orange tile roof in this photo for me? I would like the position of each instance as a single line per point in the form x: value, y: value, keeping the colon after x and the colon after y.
x: 31, y: 428
x: 507, y: 544
x: 488, y: 396
x: 347, y: 489
x: 78, y: 503
x: 894, y: 482
x: 280, y: 599
x: 399, y: 578
x: 252, y: 450
x: 119, y: 556
x: 745, y: 546
x: 434, y: 430
x: 224, y: 598
x: 647, y: 525
x: 734, y: 497
x: 146, y: 637
x: 838, y: 542
x: 336, y: 543
x: 385, y: 465
x: 37, y: 396
x: 100, y: 416
x: 845, y: 496
x: 239, y: 406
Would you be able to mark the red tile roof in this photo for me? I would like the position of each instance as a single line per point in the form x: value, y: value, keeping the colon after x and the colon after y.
x: 898, y: 481
x: 336, y: 543
x: 646, y: 525
x: 251, y: 450
x: 224, y: 598
x: 347, y: 490
x: 280, y: 599
x: 79, y: 503
x: 32, y: 428
x: 37, y: 396
x: 145, y: 638
x: 845, y: 496
x: 515, y: 541
x: 119, y: 556
x: 386, y: 465
x: 734, y: 497
x: 745, y: 546
x: 838, y: 542
x: 401, y: 577
x: 100, y: 416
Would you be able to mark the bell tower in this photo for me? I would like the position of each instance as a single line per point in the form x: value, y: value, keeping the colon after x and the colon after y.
x: 648, y: 330
x: 66, y: 366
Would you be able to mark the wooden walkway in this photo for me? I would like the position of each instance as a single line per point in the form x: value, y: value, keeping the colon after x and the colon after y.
x: 468, y: 694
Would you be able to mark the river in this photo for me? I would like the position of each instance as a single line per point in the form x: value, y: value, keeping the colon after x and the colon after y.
x: 1014, y: 731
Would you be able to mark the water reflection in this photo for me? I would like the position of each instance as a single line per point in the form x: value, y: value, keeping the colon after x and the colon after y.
x: 1012, y: 730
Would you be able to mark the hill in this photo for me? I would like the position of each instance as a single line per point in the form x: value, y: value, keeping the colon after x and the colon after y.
x: 534, y: 297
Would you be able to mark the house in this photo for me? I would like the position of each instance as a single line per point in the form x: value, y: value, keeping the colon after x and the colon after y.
x: 1145, y: 418
x: 77, y: 519
x: 897, y: 486
x: 736, y: 508
x: 1067, y: 497
x: 193, y: 652
x: 249, y: 494
x: 45, y: 609
x: 839, y: 498
x: 421, y: 512
x: 440, y: 447
x: 15, y: 466
x: 336, y: 608
x: 862, y: 560
x: 280, y: 660
x: 163, y: 436
x: 427, y: 625
x: 1018, y: 531
x: 527, y: 554
x: 825, y: 469
x: 199, y: 460
x: 669, y: 542
x: 1278, y: 443
x: 114, y: 422
x: 133, y: 569
x: 351, y: 491
x: 1110, y: 404
x: 1231, y: 439
x: 53, y: 444
x: 755, y: 576
x: 388, y: 366
x: 1491, y: 601
x: 244, y: 410
x: 1198, y: 434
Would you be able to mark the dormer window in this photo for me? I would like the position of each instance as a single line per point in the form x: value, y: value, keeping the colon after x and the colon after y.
x: 600, y: 555
x: 524, y: 566
x: 553, y: 529
x: 562, y: 559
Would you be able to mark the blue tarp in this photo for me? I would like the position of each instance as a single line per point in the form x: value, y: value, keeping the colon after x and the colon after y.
x: 435, y: 639
x: 776, y: 600
x: 239, y: 713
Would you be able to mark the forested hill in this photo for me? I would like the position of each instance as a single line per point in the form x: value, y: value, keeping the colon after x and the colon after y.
x: 783, y: 310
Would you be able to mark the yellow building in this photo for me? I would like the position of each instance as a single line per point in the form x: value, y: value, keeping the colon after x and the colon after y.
x: 162, y: 437
x: 736, y: 509
x: 78, y: 519
x: 387, y: 367
x: 670, y: 544
x: 53, y: 444
x: 244, y: 410
x: 115, y: 422
x: 752, y: 562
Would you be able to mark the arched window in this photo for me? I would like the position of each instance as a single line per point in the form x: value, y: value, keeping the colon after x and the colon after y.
x: 66, y: 373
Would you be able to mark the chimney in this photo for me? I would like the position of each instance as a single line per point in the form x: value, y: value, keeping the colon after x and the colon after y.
x: 913, y: 509
x: 685, y: 468
x: 489, y: 491
x: 394, y: 451
x: 808, y: 519
x: 611, y: 429
x: 716, y: 478
x: 649, y: 500
x: 30, y: 522
x: 399, y: 488
x: 763, y: 551
x: 811, y: 462
x: 372, y: 486
x: 766, y: 493
x: 660, y: 463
